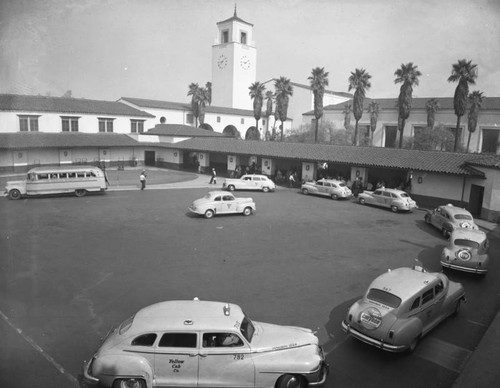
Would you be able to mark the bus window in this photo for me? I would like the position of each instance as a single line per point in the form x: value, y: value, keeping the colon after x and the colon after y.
x: 71, y: 175
x: 63, y: 175
x: 80, y: 174
x: 43, y: 176
x: 53, y: 176
x: 31, y: 176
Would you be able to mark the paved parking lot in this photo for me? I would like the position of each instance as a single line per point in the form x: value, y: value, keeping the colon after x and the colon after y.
x: 73, y: 267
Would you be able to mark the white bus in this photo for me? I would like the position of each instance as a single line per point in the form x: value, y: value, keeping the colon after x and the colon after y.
x: 57, y: 180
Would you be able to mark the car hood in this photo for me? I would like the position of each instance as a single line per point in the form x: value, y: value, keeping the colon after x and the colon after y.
x: 276, y: 337
x: 14, y: 183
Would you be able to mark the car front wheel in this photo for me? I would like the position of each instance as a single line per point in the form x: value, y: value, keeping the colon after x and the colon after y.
x: 305, y: 191
x: 129, y: 383
x: 362, y: 201
x: 209, y: 213
x: 292, y: 381
x: 413, y: 345
x: 14, y: 194
x: 394, y: 208
x: 230, y: 188
x: 335, y: 197
x: 265, y: 189
x: 247, y: 211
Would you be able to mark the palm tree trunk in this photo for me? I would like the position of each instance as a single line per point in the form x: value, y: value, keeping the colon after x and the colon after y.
x: 468, y: 142
x: 401, y: 130
x: 455, y: 146
x: 282, y: 127
x: 316, y: 132
x: 355, y: 140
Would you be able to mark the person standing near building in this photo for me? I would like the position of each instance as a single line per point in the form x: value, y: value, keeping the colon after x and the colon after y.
x: 142, y: 179
x: 214, y: 177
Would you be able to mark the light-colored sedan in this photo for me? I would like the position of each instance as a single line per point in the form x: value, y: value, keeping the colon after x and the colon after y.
x: 327, y: 187
x: 448, y: 218
x: 197, y: 343
x: 467, y: 251
x: 396, y: 200
x: 250, y: 182
x: 222, y: 202
x: 401, y: 306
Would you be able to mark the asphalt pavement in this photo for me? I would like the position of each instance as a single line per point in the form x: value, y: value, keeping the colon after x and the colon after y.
x: 477, y: 372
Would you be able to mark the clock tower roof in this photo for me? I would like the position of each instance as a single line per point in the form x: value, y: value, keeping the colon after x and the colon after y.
x: 235, y: 18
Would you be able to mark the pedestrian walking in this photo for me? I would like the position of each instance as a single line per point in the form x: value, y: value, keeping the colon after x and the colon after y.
x: 142, y: 179
x: 214, y: 177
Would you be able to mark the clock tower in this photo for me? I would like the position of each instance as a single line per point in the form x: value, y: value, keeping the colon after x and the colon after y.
x: 233, y: 64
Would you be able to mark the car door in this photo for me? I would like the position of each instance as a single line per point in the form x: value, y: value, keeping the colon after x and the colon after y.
x: 247, y: 182
x: 225, y: 361
x: 176, y: 360
x: 228, y: 204
x: 438, y: 218
x: 378, y: 198
x: 217, y: 204
x: 320, y: 188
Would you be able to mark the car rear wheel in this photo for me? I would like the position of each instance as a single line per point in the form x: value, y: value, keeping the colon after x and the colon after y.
x: 230, y: 188
x: 209, y: 213
x: 445, y: 233
x: 305, y: 191
x: 14, y: 194
x: 129, y: 383
x: 247, y: 211
x: 265, y: 189
x: 362, y: 201
x: 335, y: 196
x: 427, y: 219
x: 80, y: 192
x: 291, y: 381
x: 457, y: 307
x: 394, y: 208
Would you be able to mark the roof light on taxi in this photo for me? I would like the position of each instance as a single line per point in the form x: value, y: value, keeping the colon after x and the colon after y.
x: 227, y: 310
x: 196, y: 299
x: 188, y: 322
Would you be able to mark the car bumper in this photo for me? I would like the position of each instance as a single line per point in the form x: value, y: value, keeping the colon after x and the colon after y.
x: 318, y: 378
x: 88, y: 378
x: 480, y: 270
x: 372, y: 341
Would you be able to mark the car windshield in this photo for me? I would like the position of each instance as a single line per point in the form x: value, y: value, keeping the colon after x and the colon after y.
x: 463, y: 217
x: 466, y: 243
x: 384, y: 297
x: 342, y: 184
x: 208, y: 196
x: 404, y: 195
x: 247, y: 329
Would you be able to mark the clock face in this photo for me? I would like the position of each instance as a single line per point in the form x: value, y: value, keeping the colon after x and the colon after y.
x: 245, y: 62
x: 222, y: 62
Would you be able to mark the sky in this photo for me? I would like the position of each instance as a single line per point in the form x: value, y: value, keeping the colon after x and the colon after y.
x: 153, y: 49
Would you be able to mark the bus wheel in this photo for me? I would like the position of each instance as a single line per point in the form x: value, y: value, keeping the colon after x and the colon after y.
x: 14, y: 194
x: 80, y: 192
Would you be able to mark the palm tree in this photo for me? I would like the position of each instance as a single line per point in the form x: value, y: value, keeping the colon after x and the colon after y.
x: 407, y: 75
x: 194, y: 92
x: 373, y: 110
x: 284, y: 90
x: 475, y: 101
x: 347, y: 115
x: 269, y: 110
x: 208, y: 87
x: 431, y: 106
x: 257, y: 95
x: 203, y: 99
x: 318, y: 81
x: 465, y: 73
x: 360, y: 82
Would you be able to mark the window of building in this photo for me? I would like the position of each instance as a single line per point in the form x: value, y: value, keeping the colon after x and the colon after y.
x: 178, y: 340
x: 391, y: 133
x: 243, y: 38
x: 218, y: 119
x: 242, y: 120
x: 225, y: 36
x: 105, y: 125
x: 137, y: 126
x: 491, y: 140
x: 69, y: 124
x: 28, y: 123
x: 189, y: 118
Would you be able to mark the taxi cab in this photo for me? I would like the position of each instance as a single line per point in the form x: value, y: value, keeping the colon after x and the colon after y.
x: 205, y: 344
x: 332, y: 188
x: 448, y: 218
x: 401, y: 306
x: 467, y: 251
x: 396, y: 200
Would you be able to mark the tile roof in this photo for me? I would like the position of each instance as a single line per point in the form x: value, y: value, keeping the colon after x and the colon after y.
x: 156, y: 104
x: 428, y: 161
x: 445, y: 103
x: 15, y: 102
x: 181, y: 130
x: 23, y: 140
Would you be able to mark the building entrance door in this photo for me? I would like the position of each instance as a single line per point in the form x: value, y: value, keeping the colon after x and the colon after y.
x: 150, y: 158
x: 476, y: 199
